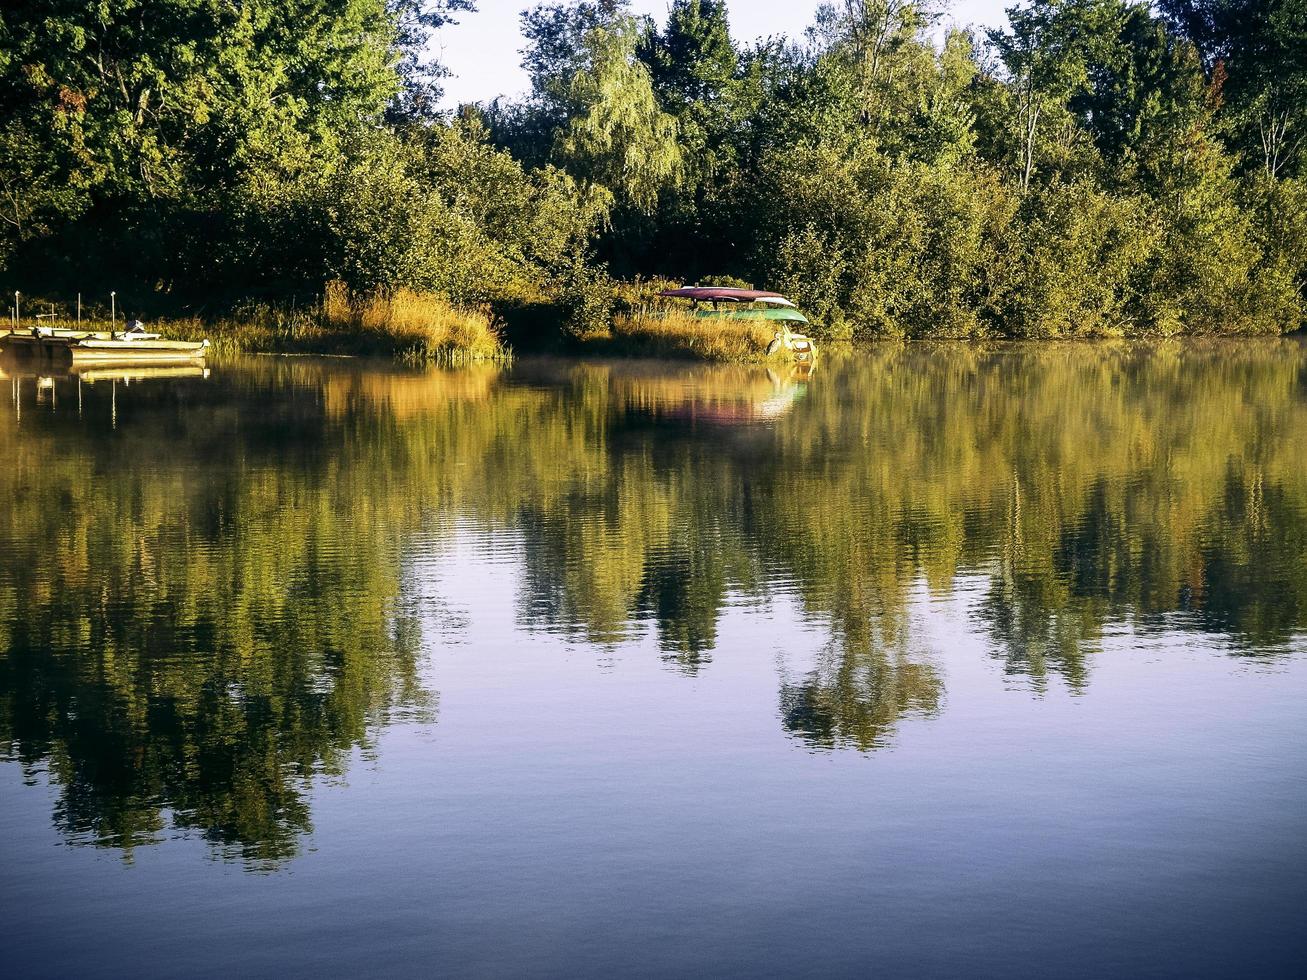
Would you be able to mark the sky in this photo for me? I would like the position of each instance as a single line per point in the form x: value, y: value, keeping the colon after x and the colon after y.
x: 483, y: 50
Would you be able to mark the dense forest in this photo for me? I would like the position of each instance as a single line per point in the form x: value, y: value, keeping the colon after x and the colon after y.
x: 1096, y: 167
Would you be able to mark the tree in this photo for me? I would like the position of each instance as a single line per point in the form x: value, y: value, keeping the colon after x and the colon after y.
x: 1045, y: 51
x: 1257, y: 49
x: 155, y: 112
x: 556, y: 47
x: 416, y: 21
x: 693, y: 62
x: 617, y: 136
x: 1146, y: 102
x: 880, y: 37
x: 435, y: 208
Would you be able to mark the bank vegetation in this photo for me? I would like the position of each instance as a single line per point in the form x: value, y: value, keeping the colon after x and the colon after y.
x: 1094, y: 168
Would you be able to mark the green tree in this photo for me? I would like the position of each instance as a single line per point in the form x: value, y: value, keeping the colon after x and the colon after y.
x: 432, y: 207
x: 1257, y: 51
x: 882, y: 42
x: 693, y: 61
x: 1146, y: 102
x: 617, y: 136
x: 421, y: 74
x: 1045, y: 51
x: 155, y: 112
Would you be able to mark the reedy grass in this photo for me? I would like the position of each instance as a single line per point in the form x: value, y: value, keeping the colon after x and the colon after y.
x: 417, y: 328
x: 676, y: 334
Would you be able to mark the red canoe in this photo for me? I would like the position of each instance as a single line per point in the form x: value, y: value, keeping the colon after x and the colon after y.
x: 718, y: 294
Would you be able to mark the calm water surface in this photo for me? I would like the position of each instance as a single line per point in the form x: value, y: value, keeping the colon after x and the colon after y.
x: 940, y: 661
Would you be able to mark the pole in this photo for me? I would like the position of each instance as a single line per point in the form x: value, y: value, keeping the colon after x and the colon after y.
x: 113, y: 310
x: 79, y: 311
x: 18, y: 316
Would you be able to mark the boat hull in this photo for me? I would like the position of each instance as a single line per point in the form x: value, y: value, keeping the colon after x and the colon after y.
x: 103, y: 351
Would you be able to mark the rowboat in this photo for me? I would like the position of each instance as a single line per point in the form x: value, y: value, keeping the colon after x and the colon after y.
x: 722, y: 303
x: 103, y: 349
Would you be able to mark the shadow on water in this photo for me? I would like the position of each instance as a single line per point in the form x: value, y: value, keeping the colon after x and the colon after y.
x: 206, y: 595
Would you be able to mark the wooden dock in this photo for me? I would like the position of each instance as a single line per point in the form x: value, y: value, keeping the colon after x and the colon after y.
x: 103, y: 349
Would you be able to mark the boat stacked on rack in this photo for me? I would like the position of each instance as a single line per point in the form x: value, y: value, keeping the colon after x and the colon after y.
x: 85, y: 347
x: 714, y: 302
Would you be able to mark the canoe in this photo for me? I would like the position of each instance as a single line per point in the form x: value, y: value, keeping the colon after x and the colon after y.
x: 780, y: 315
x: 719, y: 294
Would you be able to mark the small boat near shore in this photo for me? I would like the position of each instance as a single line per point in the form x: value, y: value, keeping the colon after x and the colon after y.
x: 82, y: 347
x: 715, y: 302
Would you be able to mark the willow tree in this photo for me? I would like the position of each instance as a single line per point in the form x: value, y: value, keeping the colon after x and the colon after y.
x: 617, y: 135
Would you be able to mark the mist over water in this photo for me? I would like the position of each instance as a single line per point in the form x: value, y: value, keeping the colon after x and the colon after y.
x: 940, y: 658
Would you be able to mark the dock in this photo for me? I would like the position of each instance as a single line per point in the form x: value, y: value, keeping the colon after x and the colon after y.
x: 74, y: 347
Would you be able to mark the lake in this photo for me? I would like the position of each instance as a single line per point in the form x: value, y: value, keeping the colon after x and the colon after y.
x: 937, y: 660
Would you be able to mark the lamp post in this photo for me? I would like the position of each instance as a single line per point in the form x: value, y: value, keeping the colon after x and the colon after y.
x: 18, y: 317
x: 113, y: 310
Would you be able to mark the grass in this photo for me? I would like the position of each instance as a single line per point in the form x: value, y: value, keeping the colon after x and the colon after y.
x: 414, y: 327
x: 672, y: 333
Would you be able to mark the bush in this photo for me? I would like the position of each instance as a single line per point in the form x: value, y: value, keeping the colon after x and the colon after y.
x: 587, y: 300
x: 873, y: 248
x: 1082, y: 262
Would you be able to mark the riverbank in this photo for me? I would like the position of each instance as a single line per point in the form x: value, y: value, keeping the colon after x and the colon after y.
x: 416, y: 328
x: 607, y: 320
x: 407, y: 326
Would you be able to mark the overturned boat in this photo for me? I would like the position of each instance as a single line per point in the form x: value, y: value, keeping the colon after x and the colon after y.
x: 82, y: 347
x: 718, y: 302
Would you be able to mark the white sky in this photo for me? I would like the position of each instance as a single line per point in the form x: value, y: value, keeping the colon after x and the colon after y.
x: 483, y: 50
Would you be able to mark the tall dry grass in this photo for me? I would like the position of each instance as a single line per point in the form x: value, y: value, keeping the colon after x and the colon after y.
x: 418, y: 327
x: 413, y: 327
x: 672, y: 333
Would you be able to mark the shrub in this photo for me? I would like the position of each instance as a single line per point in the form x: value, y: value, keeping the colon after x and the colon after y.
x: 1081, y: 263
x: 587, y: 300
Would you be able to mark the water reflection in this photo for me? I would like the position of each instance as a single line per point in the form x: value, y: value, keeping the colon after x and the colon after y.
x: 198, y: 612
x: 858, y: 693
x: 208, y: 593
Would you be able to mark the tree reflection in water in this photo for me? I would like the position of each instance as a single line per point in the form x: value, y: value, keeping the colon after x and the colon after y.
x: 206, y: 608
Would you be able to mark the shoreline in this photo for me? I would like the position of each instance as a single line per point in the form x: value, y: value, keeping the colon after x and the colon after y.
x: 229, y: 338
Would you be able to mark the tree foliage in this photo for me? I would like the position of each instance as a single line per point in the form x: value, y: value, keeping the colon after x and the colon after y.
x: 1094, y: 167
x: 617, y: 136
